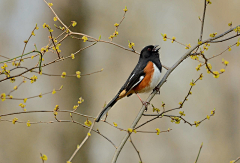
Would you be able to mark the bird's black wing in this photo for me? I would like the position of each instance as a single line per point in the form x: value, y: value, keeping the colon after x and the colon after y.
x: 134, y: 79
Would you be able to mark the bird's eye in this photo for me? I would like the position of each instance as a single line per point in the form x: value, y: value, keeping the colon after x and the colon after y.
x: 149, y: 49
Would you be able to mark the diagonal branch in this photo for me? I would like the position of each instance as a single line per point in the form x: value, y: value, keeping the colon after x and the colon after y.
x: 136, y: 149
x: 225, y: 39
x: 237, y: 160
x: 57, y: 16
x: 199, y: 153
x: 85, y: 139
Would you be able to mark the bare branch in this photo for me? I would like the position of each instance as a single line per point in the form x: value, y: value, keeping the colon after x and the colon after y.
x: 135, y: 149
x: 225, y: 39
x: 43, y: 111
x: 53, y: 42
x: 50, y: 122
x: 4, y: 57
x: 57, y: 16
x: 203, y: 18
x: 199, y: 152
x: 85, y: 139
x: 26, y: 42
x: 237, y: 160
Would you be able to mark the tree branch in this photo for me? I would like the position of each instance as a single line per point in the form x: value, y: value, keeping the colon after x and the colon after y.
x: 203, y: 18
x: 225, y: 39
x: 135, y: 149
x: 85, y: 139
x: 199, y: 153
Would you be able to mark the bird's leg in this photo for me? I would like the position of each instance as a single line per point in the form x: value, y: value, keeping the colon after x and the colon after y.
x: 157, y: 89
x: 143, y: 102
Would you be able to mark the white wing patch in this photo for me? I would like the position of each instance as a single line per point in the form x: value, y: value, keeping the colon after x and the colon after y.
x: 131, y: 77
x: 140, y: 79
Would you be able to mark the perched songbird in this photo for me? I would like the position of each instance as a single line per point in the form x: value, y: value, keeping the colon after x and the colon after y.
x: 144, y: 78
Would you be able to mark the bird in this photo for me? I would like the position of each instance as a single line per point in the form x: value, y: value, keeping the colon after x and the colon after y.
x: 143, y: 79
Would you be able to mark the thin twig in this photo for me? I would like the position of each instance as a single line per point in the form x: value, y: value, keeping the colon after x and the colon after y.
x: 17, y: 88
x: 221, y: 52
x: 170, y: 116
x: 41, y: 157
x: 114, y: 126
x: 53, y: 43
x: 157, y: 116
x: 43, y: 111
x: 85, y: 139
x: 114, y: 34
x: 26, y: 46
x: 17, y: 74
x: 152, y: 131
x: 203, y: 18
x: 185, y: 121
x: 4, y: 57
x: 225, y: 39
x: 189, y: 91
x: 70, y: 75
x: 34, y: 51
x: 50, y: 122
x: 199, y: 153
x: 32, y: 96
x: 57, y: 16
x: 136, y: 149
x: 120, y: 46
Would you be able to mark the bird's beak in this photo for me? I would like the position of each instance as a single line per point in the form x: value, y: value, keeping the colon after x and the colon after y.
x: 155, y: 48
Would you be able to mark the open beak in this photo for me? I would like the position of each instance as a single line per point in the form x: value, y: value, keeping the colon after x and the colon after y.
x: 155, y: 48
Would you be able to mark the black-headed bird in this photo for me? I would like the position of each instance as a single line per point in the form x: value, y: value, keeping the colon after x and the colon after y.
x: 143, y: 79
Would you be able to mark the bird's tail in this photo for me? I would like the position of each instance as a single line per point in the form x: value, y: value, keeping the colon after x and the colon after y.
x: 107, y: 108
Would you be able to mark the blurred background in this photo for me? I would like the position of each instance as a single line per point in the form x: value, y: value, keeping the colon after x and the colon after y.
x: 143, y: 25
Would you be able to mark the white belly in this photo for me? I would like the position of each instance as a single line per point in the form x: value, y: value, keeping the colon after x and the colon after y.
x: 155, y: 80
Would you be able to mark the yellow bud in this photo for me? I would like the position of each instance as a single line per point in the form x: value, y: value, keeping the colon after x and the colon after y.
x: 222, y: 70
x: 54, y: 91
x: 55, y: 19
x: 25, y: 100
x: 130, y: 130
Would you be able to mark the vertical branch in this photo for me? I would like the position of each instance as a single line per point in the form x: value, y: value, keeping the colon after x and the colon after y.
x: 203, y: 18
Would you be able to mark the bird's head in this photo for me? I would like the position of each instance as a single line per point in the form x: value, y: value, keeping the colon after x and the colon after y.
x: 150, y: 51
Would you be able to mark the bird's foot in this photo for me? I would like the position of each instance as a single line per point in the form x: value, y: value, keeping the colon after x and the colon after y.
x: 145, y: 103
